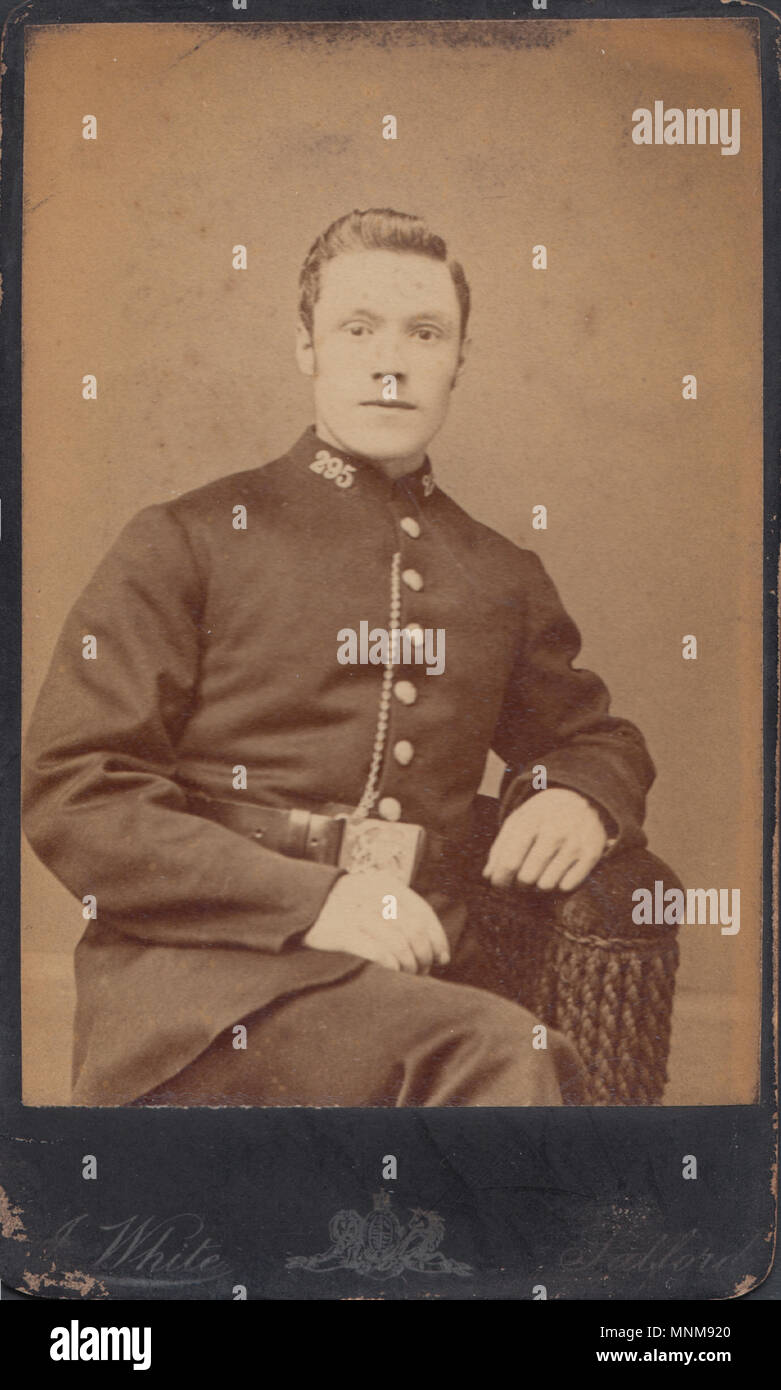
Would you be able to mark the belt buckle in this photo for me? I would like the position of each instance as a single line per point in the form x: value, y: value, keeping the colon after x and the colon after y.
x: 395, y: 847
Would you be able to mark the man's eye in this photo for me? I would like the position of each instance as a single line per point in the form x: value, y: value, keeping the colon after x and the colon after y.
x: 426, y: 335
x: 357, y: 330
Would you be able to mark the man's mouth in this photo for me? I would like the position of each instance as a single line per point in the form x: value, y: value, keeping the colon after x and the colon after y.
x: 391, y: 405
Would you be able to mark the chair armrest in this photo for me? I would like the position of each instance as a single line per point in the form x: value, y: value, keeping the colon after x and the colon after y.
x: 582, y: 965
x: 607, y: 982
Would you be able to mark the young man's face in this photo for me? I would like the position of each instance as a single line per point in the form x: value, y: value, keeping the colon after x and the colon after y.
x: 383, y: 314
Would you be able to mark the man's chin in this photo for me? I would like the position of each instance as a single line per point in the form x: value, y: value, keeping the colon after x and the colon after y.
x: 384, y: 441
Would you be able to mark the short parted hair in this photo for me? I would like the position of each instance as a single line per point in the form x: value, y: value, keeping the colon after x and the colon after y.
x: 375, y: 229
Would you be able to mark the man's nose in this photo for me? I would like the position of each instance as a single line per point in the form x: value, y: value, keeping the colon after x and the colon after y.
x: 389, y: 358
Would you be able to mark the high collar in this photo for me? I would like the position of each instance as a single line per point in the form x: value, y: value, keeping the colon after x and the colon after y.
x: 310, y: 449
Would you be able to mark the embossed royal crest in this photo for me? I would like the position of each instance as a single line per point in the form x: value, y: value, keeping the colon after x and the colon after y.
x: 379, y: 1245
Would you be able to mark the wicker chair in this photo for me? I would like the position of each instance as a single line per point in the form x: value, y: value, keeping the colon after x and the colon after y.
x: 581, y: 965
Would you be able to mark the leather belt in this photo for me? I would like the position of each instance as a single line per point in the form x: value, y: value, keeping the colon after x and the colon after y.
x: 300, y: 834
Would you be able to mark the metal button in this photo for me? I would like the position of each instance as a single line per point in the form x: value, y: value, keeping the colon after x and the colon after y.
x: 406, y: 692
x: 411, y: 526
x: 403, y: 751
x: 413, y: 580
x: 389, y: 808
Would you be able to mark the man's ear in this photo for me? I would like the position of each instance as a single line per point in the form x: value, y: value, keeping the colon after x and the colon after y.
x: 305, y: 351
x: 464, y: 353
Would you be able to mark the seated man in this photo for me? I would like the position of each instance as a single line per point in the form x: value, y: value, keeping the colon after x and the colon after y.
x: 256, y: 754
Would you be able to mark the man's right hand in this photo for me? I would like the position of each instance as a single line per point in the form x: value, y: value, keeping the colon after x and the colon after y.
x: 352, y: 920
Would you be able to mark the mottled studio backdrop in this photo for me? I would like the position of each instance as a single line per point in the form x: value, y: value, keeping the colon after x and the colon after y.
x: 510, y: 134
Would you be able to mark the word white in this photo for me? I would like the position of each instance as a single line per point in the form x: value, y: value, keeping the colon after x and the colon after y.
x: 340, y: 472
x: 667, y: 127
x: 651, y: 910
x: 400, y: 646
x: 93, y: 1343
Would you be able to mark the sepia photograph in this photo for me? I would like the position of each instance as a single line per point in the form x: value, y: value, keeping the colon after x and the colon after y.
x: 388, y: 571
x: 392, y: 589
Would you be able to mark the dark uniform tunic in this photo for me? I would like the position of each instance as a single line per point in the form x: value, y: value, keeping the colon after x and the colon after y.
x: 216, y: 648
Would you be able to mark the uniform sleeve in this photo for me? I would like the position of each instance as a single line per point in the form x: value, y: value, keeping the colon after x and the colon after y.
x: 101, y: 804
x: 558, y: 716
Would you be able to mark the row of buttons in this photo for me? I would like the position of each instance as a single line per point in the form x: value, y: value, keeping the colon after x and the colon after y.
x: 388, y: 807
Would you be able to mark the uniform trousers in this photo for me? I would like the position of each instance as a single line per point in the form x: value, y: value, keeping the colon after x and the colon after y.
x: 382, y: 1038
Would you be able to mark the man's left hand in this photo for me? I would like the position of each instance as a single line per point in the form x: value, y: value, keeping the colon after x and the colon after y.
x: 552, y: 841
